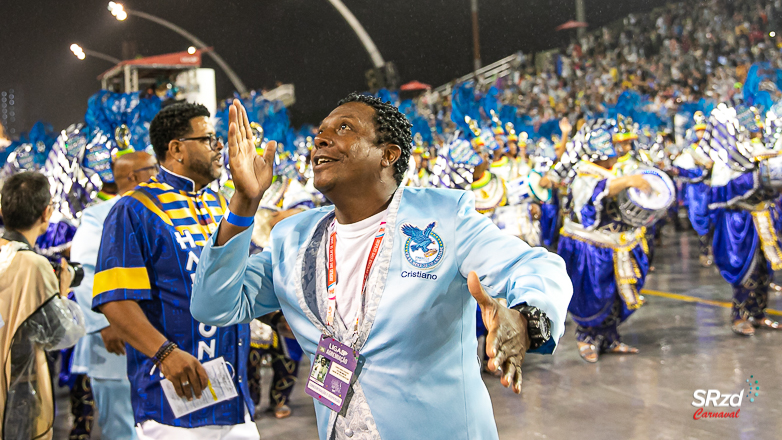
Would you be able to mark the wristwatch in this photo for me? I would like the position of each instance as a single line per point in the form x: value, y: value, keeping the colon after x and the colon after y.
x: 538, y: 325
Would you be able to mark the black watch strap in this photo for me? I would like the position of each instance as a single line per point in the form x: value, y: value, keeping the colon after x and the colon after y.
x: 538, y: 325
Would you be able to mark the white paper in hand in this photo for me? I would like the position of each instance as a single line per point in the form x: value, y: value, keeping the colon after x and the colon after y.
x: 221, y: 387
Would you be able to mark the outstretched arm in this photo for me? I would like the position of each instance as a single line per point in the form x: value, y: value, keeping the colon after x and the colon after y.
x: 499, y: 266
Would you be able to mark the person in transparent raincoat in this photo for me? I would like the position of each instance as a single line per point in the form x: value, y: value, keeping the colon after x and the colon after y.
x: 35, y: 314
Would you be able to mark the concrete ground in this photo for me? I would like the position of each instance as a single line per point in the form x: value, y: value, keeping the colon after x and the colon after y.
x: 685, y: 346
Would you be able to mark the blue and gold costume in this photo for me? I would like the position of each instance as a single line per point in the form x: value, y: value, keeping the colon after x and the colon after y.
x: 746, y: 243
x: 606, y: 259
x: 151, y: 245
x: 692, y: 170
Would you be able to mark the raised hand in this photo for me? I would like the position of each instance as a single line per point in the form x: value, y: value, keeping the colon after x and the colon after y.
x: 507, y: 340
x: 565, y: 126
x: 252, y: 174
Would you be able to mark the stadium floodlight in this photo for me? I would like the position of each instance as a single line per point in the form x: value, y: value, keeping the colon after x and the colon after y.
x: 118, y: 11
x: 82, y: 53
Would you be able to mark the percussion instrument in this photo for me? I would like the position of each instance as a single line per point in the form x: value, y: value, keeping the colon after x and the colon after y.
x: 540, y: 193
x: 638, y: 208
x: 527, y: 188
x: 771, y: 173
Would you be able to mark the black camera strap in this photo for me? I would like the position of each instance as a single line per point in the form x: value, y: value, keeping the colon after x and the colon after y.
x: 16, y: 236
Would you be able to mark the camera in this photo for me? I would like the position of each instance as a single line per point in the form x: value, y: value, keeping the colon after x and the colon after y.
x: 78, y: 272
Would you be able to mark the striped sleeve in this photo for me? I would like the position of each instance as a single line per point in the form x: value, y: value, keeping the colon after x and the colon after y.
x: 121, y: 271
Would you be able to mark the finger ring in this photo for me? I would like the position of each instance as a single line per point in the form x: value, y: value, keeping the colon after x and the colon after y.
x: 185, y: 383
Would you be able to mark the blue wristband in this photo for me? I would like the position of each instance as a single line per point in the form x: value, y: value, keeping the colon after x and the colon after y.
x: 238, y: 220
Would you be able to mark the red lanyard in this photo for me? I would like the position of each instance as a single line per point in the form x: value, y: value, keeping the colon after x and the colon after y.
x: 331, y: 278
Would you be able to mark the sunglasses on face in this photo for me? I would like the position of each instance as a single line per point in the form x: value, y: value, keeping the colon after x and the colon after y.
x: 212, y: 140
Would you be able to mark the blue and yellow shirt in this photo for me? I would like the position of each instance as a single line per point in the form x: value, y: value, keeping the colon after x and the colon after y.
x: 151, y: 243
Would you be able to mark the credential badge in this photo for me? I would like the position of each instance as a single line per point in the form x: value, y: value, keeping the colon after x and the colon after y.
x: 424, y: 249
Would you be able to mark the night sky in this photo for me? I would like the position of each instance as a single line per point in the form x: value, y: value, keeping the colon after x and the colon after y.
x: 304, y: 42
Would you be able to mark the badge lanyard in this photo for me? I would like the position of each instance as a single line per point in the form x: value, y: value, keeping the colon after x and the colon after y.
x: 331, y: 279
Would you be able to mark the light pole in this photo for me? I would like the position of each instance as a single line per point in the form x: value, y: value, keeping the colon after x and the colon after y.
x: 119, y: 11
x: 580, y: 16
x: 81, y: 53
x: 476, y: 37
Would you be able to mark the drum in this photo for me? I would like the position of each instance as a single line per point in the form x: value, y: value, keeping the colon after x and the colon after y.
x: 638, y: 208
x: 771, y: 173
x: 540, y: 193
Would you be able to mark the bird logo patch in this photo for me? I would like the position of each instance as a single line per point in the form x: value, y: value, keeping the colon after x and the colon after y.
x: 424, y: 249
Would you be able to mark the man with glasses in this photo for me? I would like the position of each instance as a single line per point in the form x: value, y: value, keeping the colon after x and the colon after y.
x: 149, y: 250
x: 101, y: 353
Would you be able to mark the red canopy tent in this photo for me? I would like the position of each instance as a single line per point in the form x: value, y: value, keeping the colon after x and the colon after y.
x: 572, y: 24
x: 415, y: 85
x: 128, y: 75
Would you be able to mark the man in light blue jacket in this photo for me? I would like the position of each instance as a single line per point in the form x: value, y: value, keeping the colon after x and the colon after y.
x: 101, y: 353
x: 409, y: 316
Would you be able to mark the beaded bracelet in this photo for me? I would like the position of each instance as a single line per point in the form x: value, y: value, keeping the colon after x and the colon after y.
x: 163, y: 352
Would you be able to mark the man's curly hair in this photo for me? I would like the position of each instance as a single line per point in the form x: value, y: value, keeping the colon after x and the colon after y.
x: 173, y: 122
x: 392, y: 127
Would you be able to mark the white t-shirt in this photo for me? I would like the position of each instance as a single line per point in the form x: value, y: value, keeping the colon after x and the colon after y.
x: 354, y: 242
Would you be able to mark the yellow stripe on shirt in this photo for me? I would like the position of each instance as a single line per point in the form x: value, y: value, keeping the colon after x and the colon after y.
x: 149, y: 204
x: 171, y: 197
x: 180, y: 213
x: 134, y: 278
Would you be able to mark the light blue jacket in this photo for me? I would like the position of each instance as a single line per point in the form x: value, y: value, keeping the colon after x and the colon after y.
x: 90, y: 356
x: 419, y: 374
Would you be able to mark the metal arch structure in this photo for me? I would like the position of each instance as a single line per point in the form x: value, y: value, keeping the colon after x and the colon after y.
x: 102, y: 56
x: 361, y: 33
x: 240, y: 87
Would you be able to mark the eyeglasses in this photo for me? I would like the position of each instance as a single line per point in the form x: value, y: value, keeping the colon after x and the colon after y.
x: 213, y: 140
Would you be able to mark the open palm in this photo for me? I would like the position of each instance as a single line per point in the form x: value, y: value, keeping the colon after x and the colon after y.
x: 252, y: 173
x: 507, y: 339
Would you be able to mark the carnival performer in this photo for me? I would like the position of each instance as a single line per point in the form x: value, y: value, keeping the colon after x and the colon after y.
x: 550, y: 212
x: 425, y: 244
x: 504, y: 161
x: 101, y: 352
x: 151, y: 242
x: 746, y: 247
x: 632, y: 154
x: 693, y: 166
x: 605, y: 257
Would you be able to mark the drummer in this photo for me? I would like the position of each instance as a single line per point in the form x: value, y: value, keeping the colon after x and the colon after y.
x: 605, y: 256
x: 632, y: 154
x: 747, y: 251
x: 550, y: 212
x: 693, y: 167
